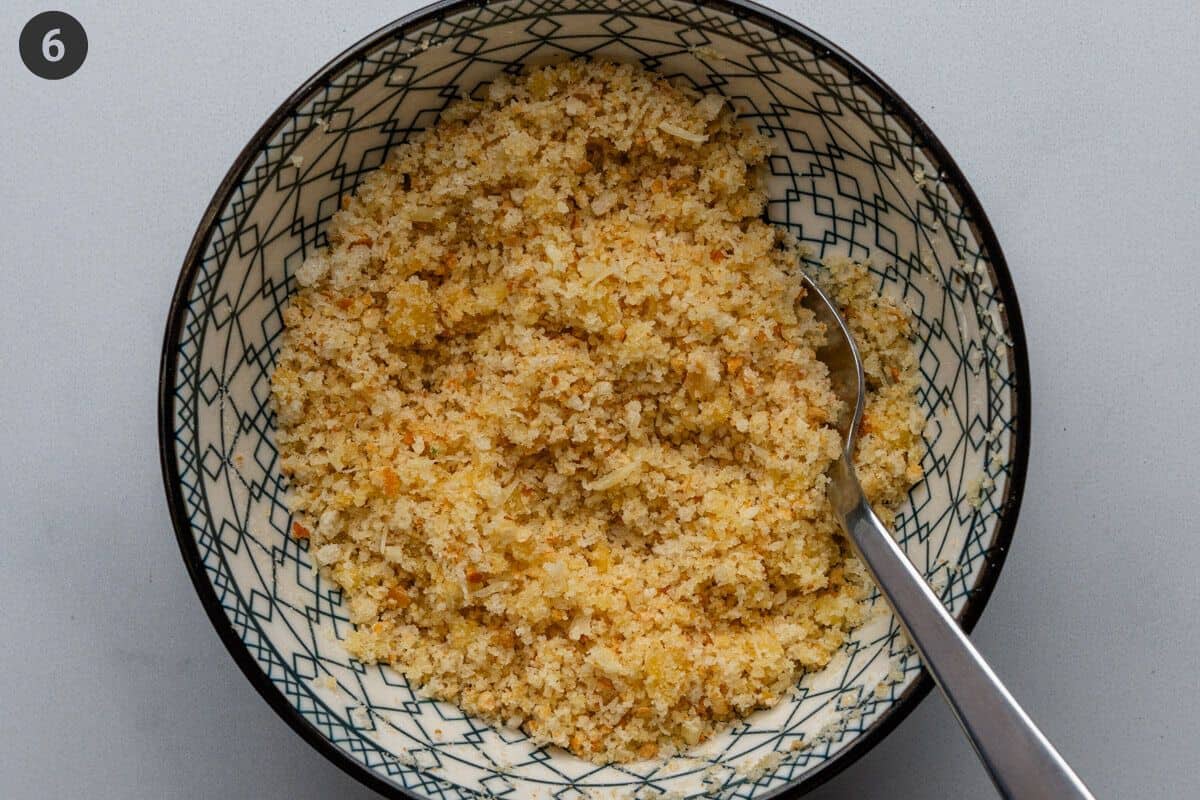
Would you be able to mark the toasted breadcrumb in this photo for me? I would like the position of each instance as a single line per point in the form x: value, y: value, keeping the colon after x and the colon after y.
x: 553, y: 422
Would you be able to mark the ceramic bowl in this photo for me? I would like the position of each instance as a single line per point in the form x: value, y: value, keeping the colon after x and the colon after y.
x: 854, y: 171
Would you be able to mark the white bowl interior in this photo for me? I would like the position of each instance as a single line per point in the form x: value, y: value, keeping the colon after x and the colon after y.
x: 846, y: 177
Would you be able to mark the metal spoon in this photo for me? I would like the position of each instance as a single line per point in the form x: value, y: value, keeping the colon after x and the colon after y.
x: 1018, y: 757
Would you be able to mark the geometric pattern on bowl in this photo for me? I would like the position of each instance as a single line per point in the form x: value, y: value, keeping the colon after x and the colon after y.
x: 853, y: 172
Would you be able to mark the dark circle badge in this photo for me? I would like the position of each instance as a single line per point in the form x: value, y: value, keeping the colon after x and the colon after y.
x: 53, y: 45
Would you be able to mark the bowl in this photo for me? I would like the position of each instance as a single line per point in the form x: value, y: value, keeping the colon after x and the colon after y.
x: 854, y: 171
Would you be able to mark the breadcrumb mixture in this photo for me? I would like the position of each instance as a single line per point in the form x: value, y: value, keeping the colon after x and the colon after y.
x: 552, y: 419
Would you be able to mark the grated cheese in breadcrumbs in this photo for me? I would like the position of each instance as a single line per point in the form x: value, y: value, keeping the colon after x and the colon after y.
x: 553, y: 422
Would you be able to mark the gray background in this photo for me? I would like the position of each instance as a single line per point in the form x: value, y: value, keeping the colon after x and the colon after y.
x: 1079, y: 127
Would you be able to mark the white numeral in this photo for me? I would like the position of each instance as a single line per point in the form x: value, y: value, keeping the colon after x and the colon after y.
x: 52, y: 48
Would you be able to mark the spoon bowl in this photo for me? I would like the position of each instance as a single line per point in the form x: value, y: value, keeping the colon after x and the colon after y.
x: 1018, y: 757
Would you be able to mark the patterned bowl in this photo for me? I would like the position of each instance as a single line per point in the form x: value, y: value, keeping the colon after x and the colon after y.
x: 854, y: 171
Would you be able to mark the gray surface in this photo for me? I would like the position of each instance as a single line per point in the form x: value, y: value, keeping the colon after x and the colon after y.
x: 1079, y: 130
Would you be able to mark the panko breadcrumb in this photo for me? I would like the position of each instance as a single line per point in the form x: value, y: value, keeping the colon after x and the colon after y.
x: 553, y: 422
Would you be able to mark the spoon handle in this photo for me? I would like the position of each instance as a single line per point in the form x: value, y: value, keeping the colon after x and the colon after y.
x: 1018, y: 757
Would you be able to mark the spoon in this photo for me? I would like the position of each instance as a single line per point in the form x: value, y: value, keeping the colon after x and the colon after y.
x: 1018, y: 757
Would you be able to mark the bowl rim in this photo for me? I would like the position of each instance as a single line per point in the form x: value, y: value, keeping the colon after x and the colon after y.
x: 892, y: 104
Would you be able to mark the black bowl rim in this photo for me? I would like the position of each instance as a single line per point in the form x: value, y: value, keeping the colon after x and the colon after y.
x: 891, y: 101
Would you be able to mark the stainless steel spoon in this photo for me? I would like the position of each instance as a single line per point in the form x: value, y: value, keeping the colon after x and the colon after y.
x: 1018, y: 757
